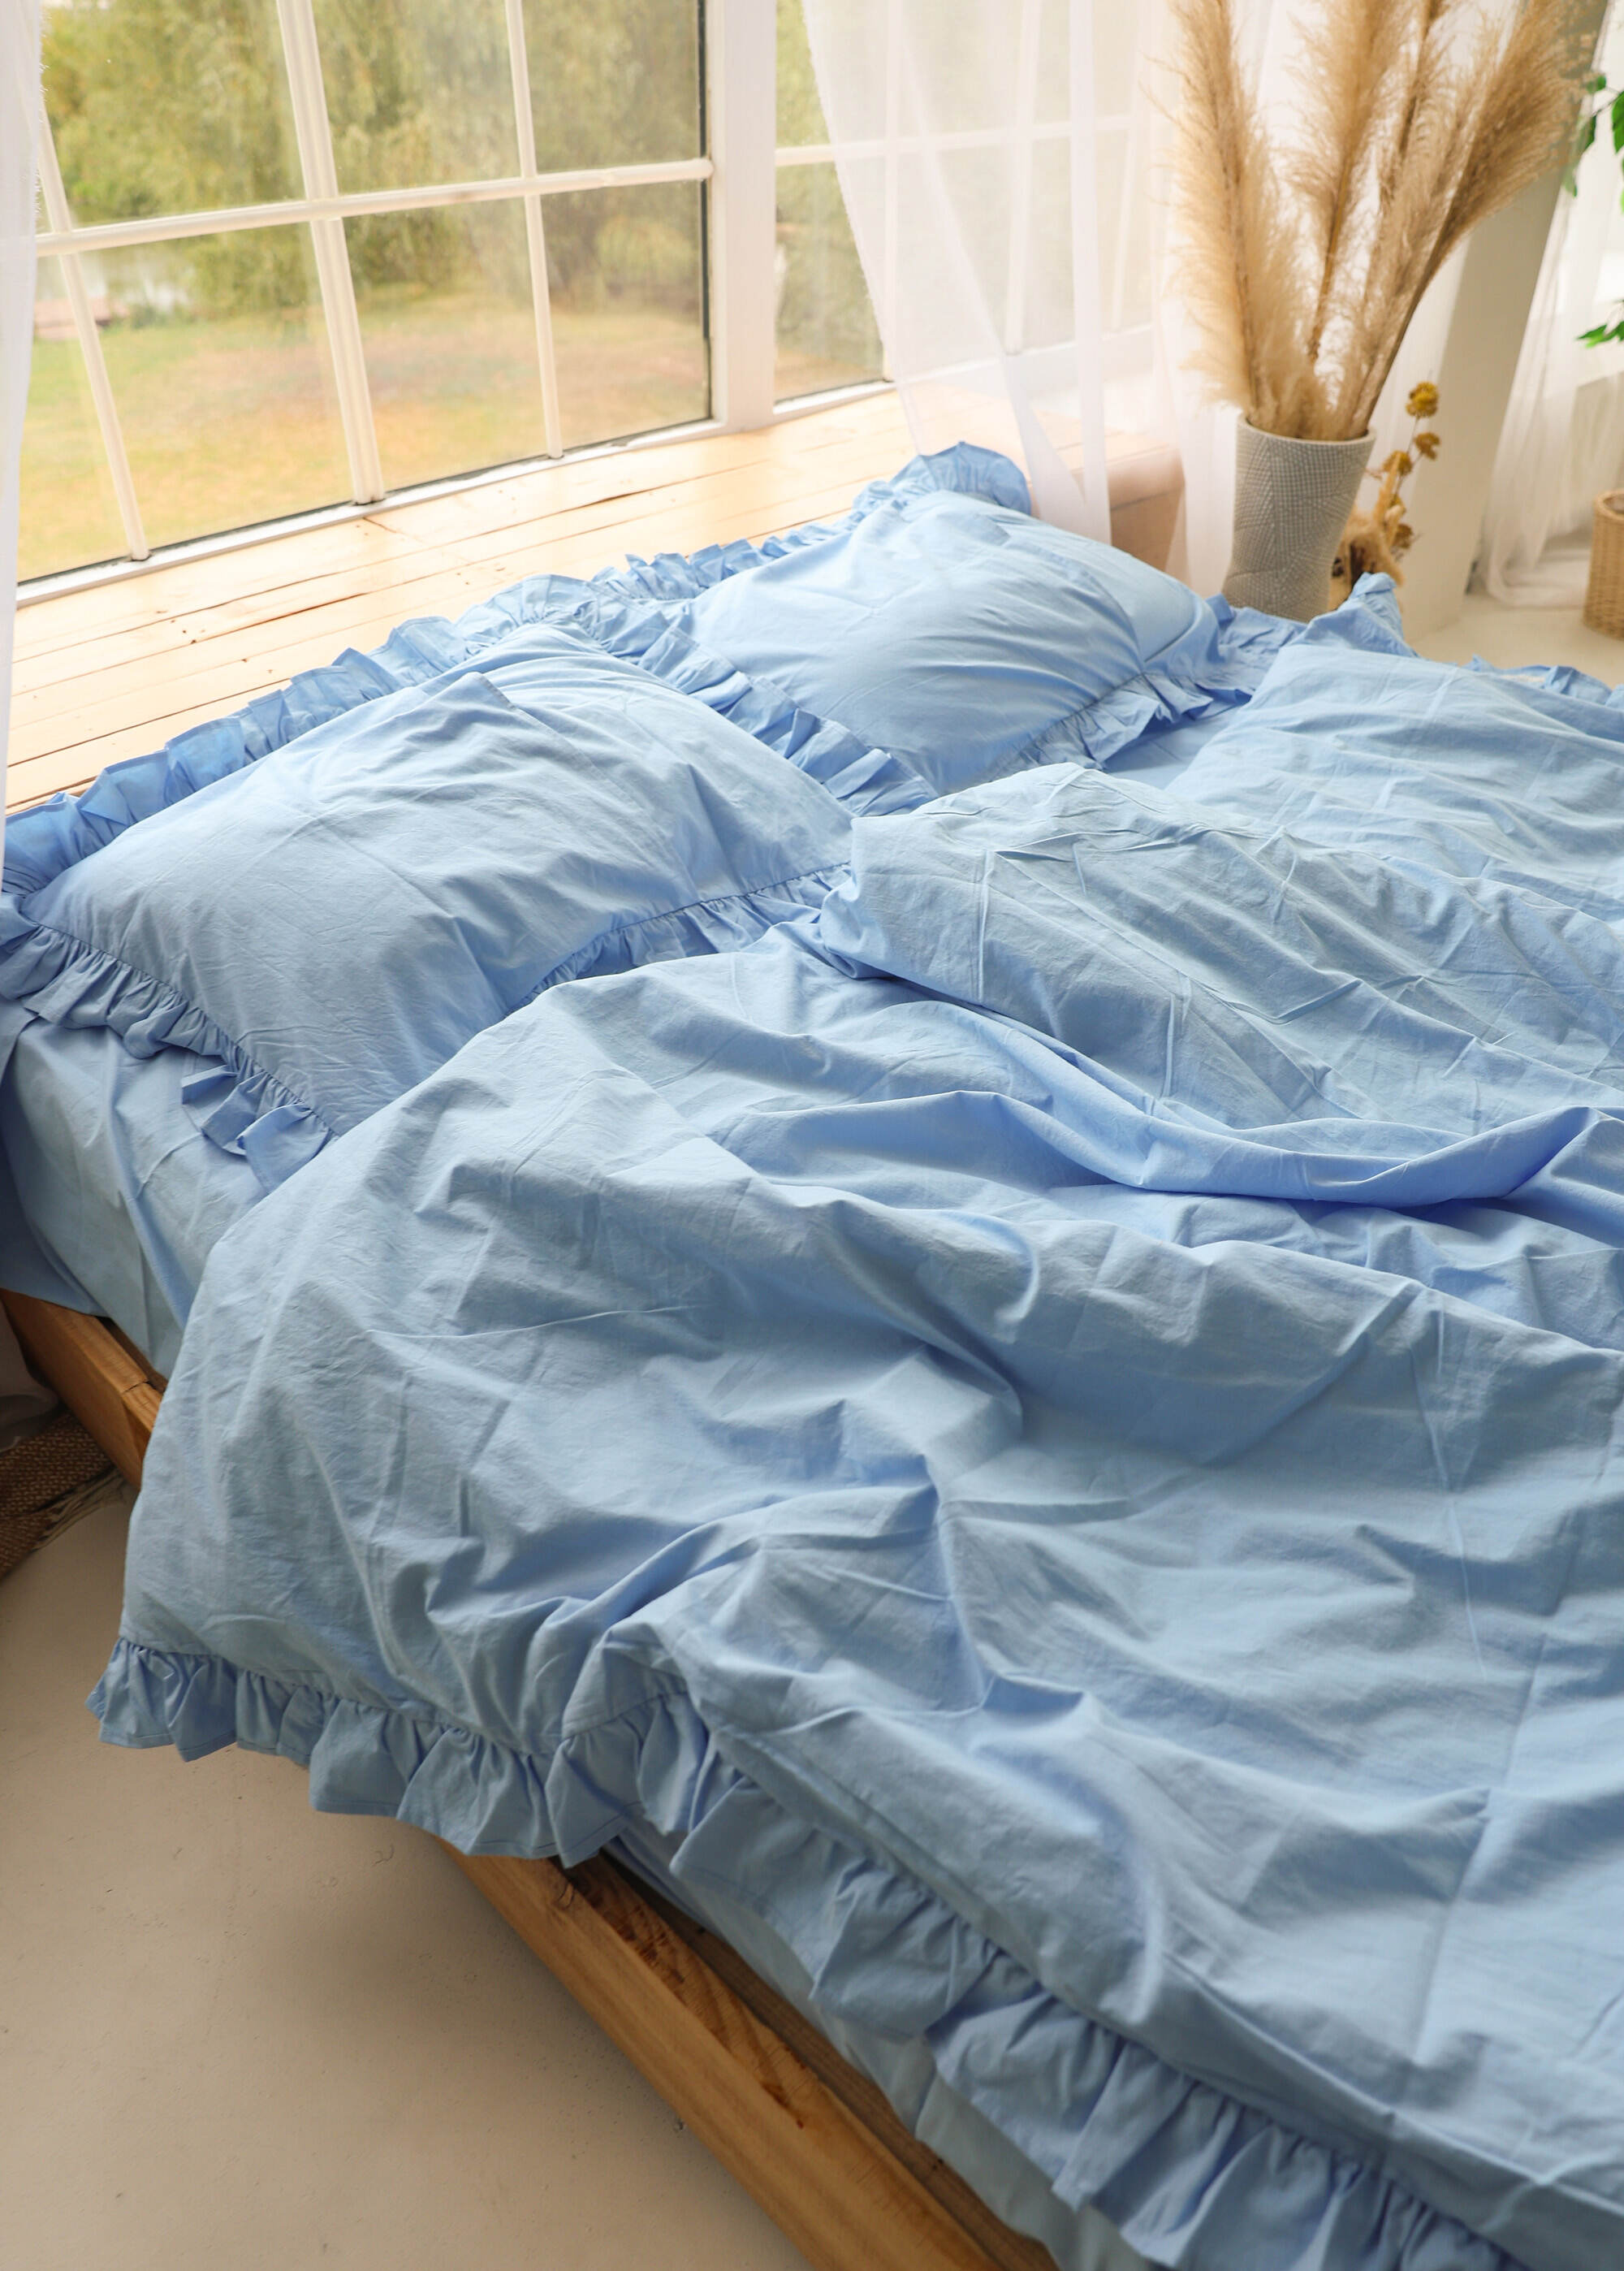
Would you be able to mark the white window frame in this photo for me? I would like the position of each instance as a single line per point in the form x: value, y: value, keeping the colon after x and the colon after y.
x: 739, y: 170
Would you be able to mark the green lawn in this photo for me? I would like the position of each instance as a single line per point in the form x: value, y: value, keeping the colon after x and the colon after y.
x: 230, y: 419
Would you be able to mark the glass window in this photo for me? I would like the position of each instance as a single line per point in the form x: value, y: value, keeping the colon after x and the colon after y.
x: 800, y: 113
x: 219, y: 362
x: 1126, y: 207
x: 215, y: 345
x: 966, y: 66
x: 1054, y: 57
x: 627, y: 310
x: 70, y: 516
x: 449, y: 329
x: 1115, y: 60
x: 615, y: 83
x: 418, y: 91
x: 160, y: 106
x: 826, y: 333
x: 1046, y: 318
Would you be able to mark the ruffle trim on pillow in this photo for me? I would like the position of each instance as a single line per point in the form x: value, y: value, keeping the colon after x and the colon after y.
x: 1217, y: 663
x: 63, y: 980
x: 241, y: 1107
x: 966, y: 469
x: 1189, y: 2174
x: 708, y: 926
x: 864, y: 779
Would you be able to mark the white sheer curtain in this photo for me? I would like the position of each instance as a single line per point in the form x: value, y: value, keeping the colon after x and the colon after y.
x: 1563, y: 438
x: 19, y: 96
x: 995, y: 158
x: 1001, y: 162
x: 19, y: 99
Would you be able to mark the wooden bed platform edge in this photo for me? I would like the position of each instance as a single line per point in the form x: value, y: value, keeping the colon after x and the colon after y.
x: 808, y: 2136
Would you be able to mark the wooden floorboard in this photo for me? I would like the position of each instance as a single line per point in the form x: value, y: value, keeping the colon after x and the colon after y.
x: 108, y: 673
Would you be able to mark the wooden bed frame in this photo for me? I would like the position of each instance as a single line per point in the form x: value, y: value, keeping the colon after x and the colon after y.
x: 809, y: 2137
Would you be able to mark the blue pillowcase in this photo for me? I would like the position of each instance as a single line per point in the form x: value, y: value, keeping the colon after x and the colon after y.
x: 970, y: 640
x: 329, y: 927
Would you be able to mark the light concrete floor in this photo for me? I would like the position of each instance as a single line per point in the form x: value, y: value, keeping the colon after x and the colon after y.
x: 1509, y: 636
x: 235, y: 2033
x: 239, y: 2036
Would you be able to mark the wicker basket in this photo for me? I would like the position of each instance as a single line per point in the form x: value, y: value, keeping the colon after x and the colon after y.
x: 1603, y: 594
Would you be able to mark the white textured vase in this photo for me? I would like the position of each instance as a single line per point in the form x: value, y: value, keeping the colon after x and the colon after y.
x: 1292, y: 501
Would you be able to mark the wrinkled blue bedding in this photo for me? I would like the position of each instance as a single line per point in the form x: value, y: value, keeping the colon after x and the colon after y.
x: 1006, y: 1371
x: 567, y: 781
x: 1072, y: 1390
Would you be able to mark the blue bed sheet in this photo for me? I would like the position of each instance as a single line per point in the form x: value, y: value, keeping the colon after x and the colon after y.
x: 110, y: 1197
x: 1086, y: 1375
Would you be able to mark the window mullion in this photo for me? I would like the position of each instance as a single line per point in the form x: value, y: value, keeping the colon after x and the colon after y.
x: 1020, y: 182
x: 356, y: 204
x: 893, y: 178
x: 314, y: 134
x: 60, y: 221
x: 741, y: 46
x: 534, y: 230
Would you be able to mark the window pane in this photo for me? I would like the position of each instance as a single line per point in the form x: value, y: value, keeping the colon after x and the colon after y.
x: 967, y: 67
x: 449, y: 331
x: 800, y: 113
x: 1115, y: 60
x: 614, y: 84
x: 627, y: 313
x: 826, y: 333
x: 70, y: 517
x: 160, y: 108
x: 1054, y: 59
x: 418, y: 91
x: 219, y: 369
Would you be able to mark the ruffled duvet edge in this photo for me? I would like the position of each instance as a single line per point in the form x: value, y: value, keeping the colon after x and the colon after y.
x: 1175, y: 2163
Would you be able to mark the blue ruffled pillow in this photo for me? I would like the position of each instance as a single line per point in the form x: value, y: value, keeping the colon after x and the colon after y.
x: 329, y: 924
x: 969, y: 640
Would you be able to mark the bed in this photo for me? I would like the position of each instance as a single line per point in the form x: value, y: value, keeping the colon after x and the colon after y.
x: 1075, y: 1132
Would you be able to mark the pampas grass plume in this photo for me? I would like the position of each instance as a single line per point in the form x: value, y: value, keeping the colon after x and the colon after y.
x: 1301, y: 266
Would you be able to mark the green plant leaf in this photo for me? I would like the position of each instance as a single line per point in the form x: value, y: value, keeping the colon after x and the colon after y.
x: 1618, y: 121
x: 1583, y: 140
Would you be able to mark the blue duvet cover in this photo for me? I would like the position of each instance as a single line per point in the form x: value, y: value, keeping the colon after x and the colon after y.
x: 1026, y: 1397
x: 1075, y: 1386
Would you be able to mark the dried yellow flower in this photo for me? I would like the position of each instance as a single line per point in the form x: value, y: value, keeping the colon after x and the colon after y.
x: 1403, y: 537
x: 1426, y: 445
x: 1400, y: 462
x: 1422, y: 400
